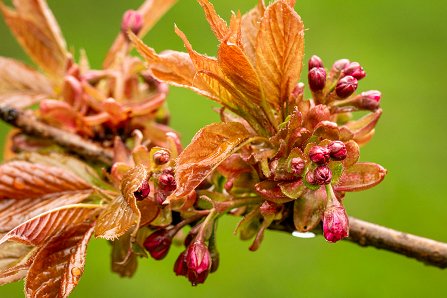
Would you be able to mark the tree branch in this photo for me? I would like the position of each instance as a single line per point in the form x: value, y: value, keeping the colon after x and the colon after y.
x: 29, y: 124
x: 363, y: 233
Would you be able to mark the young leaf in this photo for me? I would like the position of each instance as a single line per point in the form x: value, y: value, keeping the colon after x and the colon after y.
x: 38, y: 230
x: 271, y: 191
x: 308, y: 210
x: 279, y: 52
x: 20, y: 85
x: 361, y: 176
x: 15, y: 259
x: 364, y: 125
x: 59, y: 264
x: 218, y: 25
x: 37, y: 31
x: 209, y: 147
x: 124, y: 261
x: 25, y: 180
x: 14, y: 212
x: 250, y: 24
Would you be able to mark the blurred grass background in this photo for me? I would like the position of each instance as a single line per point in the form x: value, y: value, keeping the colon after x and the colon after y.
x: 402, y: 45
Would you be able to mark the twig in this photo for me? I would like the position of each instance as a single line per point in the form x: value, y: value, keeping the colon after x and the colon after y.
x: 363, y: 233
x: 29, y: 124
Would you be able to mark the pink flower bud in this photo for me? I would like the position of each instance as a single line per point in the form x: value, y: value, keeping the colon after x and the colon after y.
x: 161, y: 157
x: 315, y: 61
x: 317, y: 78
x: 166, y: 182
x: 158, y: 244
x: 198, y: 260
x: 319, y: 155
x: 143, y: 191
x: 337, y: 150
x: 346, y: 86
x: 355, y: 70
x: 339, y: 65
x: 335, y: 223
x: 322, y: 175
x: 297, y: 165
x: 180, y: 266
x: 133, y: 21
x: 370, y: 100
x: 310, y: 178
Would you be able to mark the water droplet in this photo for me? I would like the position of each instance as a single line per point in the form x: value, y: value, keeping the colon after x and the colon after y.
x: 76, y: 271
x: 303, y: 235
x: 19, y: 184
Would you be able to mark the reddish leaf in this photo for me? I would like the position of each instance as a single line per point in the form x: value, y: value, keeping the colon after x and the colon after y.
x: 59, y: 264
x: 249, y: 30
x: 15, y: 259
x: 209, y: 147
x: 308, y: 210
x: 362, y: 127
x: 271, y: 191
x: 25, y: 180
x: 218, y: 25
x: 36, y: 30
x: 279, y: 52
x: 38, y: 230
x: 353, y: 153
x: 292, y: 189
x: 361, y: 176
x: 20, y: 85
x: 14, y: 212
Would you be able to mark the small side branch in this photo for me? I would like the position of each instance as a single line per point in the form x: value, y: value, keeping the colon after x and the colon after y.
x: 29, y: 124
x: 429, y: 251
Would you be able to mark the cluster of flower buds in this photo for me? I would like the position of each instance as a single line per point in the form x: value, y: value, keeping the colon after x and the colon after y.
x: 317, y: 74
x: 195, y: 263
x: 322, y: 175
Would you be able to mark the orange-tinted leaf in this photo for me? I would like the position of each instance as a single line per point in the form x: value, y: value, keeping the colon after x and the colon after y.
x: 38, y: 230
x: 353, y: 153
x: 15, y: 259
x: 217, y: 24
x: 271, y: 191
x: 151, y: 11
x: 236, y: 66
x: 123, y: 213
x: 25, y: 180
x: 249, y: 30
x: 279, y: 52
x: 209, y: 147
x: 36, y: 30
x: 308, y: 210
x: 20, y: 85
x: 14, y: 212
x: 292, y: 189
x: 361, y: 176
x: 59, y: 264
x: 149, y: 211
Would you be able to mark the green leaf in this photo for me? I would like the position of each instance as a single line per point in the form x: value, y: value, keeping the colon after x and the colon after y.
x: 308, y: 210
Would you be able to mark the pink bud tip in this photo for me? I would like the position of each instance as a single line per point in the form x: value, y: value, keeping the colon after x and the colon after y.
x: 315, y: 61
x: 133, y: 21
x: 355, y: 70
x: 198, y: 260
x: 143, y: 191
x: 370, y: 100
x: 319, y: 155
x: 317, y: 78
x: 341, y: 64
x: 322, y: 175
x: 346, y: 86
x: 158, y: 244
x: 335, y: 223
x: 337, y: 150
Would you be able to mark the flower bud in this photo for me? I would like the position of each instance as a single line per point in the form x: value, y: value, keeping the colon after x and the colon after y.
x: 317, y: 78
x: 370, y: 100
x: 322, y: 175
x: 158, y: 243
x: 319, y: 155
x: 339, y: 65
x: 335, y: 223
x: 180, y: 266
x: 337, y: 150
x: 355, y: 70
x: 310, y: 177
x: 297, y: 165
x: 161, y: 157
x: 315, y: 61
x: 166, y: 182
x: 133, y: 21
x: 346, y: 86
x: 143, y: 191
x: 198, y: 260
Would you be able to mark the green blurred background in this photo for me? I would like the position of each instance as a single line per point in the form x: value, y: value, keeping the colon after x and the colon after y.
x: 402, y: 44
